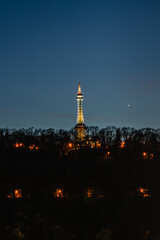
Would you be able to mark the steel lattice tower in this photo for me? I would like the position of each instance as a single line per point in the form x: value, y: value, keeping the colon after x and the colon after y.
x: 80, y: 118
x: 80, y: 126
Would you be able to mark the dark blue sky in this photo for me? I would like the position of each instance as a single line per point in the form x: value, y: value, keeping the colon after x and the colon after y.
x: 111, y: 47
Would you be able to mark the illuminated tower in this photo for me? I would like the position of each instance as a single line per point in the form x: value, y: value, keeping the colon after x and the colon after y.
x: 80, y: 126
x: 80, y: 118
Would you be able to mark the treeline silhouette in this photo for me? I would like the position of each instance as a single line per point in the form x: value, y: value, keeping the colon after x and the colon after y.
x: 40, y: 161
x: 109, y: 184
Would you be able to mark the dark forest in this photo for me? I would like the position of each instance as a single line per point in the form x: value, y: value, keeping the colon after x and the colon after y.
x: 104, y: 188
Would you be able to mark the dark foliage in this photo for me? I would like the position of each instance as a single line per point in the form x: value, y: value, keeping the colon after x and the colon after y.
x: 42, y: 162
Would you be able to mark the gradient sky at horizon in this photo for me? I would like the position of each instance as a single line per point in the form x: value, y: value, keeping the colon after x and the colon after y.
x: 111, y: 47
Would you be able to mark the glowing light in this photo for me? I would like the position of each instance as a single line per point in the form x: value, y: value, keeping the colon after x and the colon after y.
x: 145, y: 155
x: 107, y: 155
x: 18, y: 145
x: 143, y: 192
x: 122, y: 144
x: 151, y: 156
x: 59, y: 193
x: 70, y: 145
x: 18, y: 193
x: 9, y: 196
x: 90, y: 192
x: 31, y: 147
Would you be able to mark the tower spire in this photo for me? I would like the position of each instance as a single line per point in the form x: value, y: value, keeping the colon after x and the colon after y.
x: 79, y: 87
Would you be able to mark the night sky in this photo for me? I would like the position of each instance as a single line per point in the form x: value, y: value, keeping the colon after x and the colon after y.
x: 111, y: 47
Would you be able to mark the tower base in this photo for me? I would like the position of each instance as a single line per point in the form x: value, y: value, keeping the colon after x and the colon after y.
x: 80, y: 131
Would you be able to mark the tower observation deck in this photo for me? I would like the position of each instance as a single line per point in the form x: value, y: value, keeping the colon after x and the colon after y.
x: 80, y: 126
